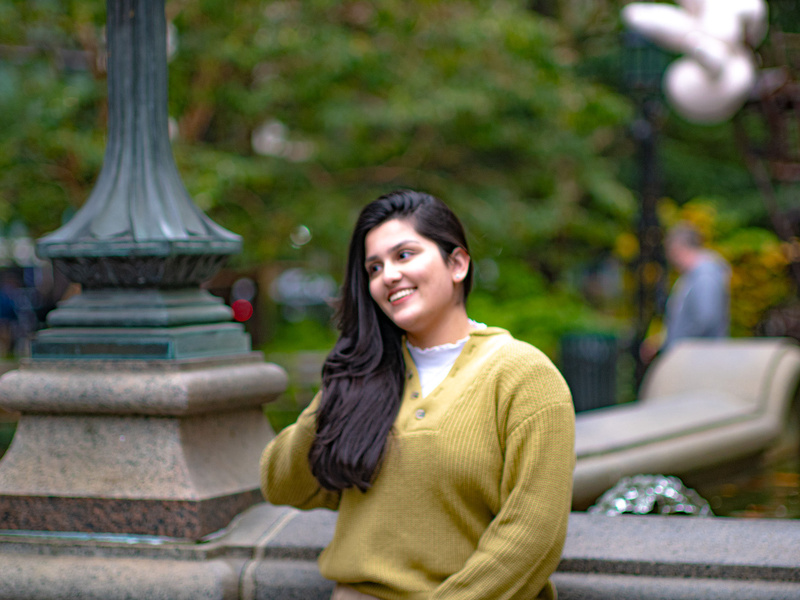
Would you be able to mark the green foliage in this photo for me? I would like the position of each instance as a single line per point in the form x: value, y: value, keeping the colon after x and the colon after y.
x: 7, y: 430
x: 306, y: 335
x: 52, y: 146
x: 473, y: 101
x: 505, y: 113
x: 760, y: 277
x: 521, y: 301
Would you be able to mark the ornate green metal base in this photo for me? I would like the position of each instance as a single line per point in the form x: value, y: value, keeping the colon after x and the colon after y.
x: 168, y: 343
x: 140, y: 308
x: 141, y: 324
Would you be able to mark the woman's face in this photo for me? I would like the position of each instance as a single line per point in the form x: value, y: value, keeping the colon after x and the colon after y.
x: 413, y: 284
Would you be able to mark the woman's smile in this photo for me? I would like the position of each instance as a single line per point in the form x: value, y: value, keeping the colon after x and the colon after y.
x: 395, y: 297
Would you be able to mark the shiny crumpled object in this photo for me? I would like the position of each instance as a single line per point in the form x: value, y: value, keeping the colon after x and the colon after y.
x: 651, y: 494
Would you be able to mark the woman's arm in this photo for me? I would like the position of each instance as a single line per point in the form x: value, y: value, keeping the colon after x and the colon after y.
x: 522, y: 545
x: 286, y: 476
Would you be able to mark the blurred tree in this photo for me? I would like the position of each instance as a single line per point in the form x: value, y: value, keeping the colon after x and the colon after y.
x: 294, y: 113
x: 51, y: 115
x: 289, y: 115
x: 694, y: 160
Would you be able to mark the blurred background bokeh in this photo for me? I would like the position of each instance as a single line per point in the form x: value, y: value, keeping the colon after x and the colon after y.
x: 529, y: 118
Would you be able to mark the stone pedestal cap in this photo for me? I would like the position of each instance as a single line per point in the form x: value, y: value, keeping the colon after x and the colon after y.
x: 141, y: 387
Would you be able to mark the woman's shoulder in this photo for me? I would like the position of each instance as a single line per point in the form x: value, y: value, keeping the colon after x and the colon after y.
x: 508, y: 350
x: 517, y: 368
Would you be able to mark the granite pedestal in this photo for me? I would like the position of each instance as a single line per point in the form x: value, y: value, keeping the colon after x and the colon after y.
x: 161, y: 448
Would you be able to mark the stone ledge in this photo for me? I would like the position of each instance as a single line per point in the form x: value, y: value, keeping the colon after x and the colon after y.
x: 143, y: 387
x: 684, y: 547
x: 96, y: 578
x: 270, y: 553
x: 284, y: 580
x: 586, y: 586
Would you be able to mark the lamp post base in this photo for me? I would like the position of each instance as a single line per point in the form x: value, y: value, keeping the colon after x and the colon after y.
x: 135, y: 448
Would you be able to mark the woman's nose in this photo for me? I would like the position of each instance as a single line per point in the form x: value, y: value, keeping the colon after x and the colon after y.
x: 390, y: 272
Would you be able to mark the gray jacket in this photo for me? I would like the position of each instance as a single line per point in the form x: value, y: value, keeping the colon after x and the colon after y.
x: 699, y: 303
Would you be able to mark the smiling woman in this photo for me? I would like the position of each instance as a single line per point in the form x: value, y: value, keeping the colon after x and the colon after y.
x: 446, y: 446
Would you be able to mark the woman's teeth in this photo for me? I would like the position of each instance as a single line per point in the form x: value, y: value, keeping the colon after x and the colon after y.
x: 400, y: 294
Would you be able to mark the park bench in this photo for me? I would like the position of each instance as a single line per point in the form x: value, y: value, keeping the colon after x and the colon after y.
x: 703, y: 404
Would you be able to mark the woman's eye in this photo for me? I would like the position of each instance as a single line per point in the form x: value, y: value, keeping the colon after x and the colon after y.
x: 373, y: 268
x: 404, y: 254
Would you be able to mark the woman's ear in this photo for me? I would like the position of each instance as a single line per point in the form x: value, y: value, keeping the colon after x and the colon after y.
x: 459, y: 264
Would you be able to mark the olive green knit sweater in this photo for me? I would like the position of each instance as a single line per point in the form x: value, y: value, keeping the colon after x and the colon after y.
x: 473, y: 498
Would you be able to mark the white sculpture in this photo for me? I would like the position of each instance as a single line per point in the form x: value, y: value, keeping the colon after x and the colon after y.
x: 718, y: 70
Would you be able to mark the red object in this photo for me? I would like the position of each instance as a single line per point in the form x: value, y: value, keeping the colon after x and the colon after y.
x: 242, y: 310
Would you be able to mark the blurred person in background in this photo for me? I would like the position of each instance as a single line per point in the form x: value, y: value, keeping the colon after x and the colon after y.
x: 699, y: 302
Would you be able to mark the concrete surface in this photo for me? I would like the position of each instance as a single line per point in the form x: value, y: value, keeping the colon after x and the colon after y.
x: 270, y: 552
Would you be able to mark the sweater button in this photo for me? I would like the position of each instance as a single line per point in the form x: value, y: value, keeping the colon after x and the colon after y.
x: 420, y: 414
x: 415, y: 395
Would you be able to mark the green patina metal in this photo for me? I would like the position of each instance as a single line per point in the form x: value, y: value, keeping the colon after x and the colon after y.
x: 139, y: 246
x: 139, y: 205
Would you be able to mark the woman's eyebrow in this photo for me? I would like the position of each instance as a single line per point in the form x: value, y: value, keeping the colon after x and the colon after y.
x: 392, y: 249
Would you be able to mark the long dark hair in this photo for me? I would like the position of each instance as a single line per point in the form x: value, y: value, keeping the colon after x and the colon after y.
x: 363, y: 376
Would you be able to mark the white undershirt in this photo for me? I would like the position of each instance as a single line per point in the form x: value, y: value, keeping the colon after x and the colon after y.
x: 433, y: 364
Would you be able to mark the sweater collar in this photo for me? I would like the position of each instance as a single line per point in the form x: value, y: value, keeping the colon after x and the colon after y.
x: 476, y: 336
